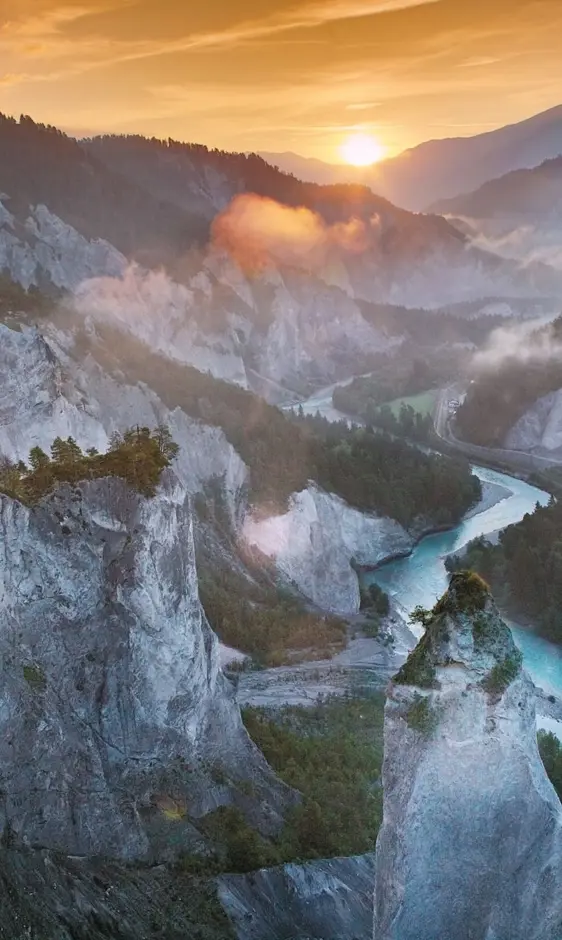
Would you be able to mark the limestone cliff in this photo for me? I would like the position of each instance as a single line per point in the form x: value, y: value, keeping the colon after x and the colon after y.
x: 113, y: 709
x: 38, y: 248
x: 315, y: 542
x: 540, y: 428
x: 47, y: 390
x: 471, y: 843
x: 275, y: 332
x: 328, y: 899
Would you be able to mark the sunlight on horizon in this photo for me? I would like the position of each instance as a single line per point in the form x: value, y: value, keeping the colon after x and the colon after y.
x: 362, y: 150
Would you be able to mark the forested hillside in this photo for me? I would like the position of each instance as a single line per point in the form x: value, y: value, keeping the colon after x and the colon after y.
x: 500, y: 395
x: 370, y: 471
x: 40, y: 164
x: 182, y: 173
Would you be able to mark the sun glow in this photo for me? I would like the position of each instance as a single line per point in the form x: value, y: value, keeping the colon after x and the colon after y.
x: 361, y: 150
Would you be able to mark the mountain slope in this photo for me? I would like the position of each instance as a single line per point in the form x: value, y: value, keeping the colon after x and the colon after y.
x: 41, y: 165
x: 529, y: 193
x: 392, y: 255
x: 440, y: 169
x: 518, y: 215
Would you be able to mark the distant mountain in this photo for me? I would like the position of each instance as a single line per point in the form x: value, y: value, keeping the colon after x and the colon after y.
x: 227, y: 277
x: 440, y: 169
x: 518, y: 215
x: 313, y: 170
x: 532, y: 194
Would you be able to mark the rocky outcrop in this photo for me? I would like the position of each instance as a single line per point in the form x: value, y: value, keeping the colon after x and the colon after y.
x: 325, y: 900
x: 50, y: 896
x: 47, y: 391
x: 38, y: 248
x: 540, y: 428
x: 315, y: 542
x: 113, y: 709
x: 38, y: 400
x: 275, y: 331
x: 471, y: 842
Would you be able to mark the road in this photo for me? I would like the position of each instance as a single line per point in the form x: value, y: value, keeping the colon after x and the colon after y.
x: 517, y: 459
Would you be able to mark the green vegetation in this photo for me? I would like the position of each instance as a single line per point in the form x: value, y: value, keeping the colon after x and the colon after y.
x: 503, y: 674
x: 375, y: 600
x: 422, y: 716
x: 375, y: 472
x: 138, y: 456
x: 501, y: 395
x: 550, y: 750
x: 384, y: 401
x: 370, y: 471
x: 467, y: 594
x: 35, y: 678
x: 332, y: 753
x: 419, y: 668
x: 525, y: 568
x: 407, y: 423
x: 15, y: 300
x: 422, y: 404
x: 239, y: 847
x: 272, y: 626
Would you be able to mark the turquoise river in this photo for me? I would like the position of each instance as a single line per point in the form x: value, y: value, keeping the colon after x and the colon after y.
x: 421, y: 578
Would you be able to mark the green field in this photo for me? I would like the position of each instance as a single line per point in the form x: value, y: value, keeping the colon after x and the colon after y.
x: 424, y: 403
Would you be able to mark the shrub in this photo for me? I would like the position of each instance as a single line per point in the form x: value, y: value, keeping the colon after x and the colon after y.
x: 503, y: 674
x: 35, y: 678
x: 421, y: 716
x: 419, y: 668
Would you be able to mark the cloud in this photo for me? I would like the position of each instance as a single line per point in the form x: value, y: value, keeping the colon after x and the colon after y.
x: 258, y: 232
x: 528, y: 244
x: 11, y: 78
x: 534, y: 341
x: 43, y: 35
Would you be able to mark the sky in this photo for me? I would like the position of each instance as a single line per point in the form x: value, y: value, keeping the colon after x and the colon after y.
x: 274, y: 76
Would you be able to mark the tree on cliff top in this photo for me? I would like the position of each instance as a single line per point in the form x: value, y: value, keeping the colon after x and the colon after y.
x: 137, y: 456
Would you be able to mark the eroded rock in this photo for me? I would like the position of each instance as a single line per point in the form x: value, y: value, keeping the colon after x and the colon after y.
x: 471, y: 842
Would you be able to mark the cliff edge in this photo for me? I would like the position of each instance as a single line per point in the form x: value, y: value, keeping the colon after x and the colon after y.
x: 115, y: 718
x: 471, y: 842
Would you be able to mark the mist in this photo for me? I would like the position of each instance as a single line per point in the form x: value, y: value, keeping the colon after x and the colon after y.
x: 529, y: 244
x: 533, y: 341
x: 258, y: 232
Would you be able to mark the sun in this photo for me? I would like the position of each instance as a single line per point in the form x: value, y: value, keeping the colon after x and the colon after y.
x: 361, y: 150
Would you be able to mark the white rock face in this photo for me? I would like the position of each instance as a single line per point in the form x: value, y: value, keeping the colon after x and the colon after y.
x: 270, y: 331
x: 161, y: 313
x: 44, y: 393
x: 44, y: 248
x: 315, y: 331
x: 540, y: 428
x: 329, y: 899
x: 111, y: 697
x: 471, y: 841
x: 314, y: 542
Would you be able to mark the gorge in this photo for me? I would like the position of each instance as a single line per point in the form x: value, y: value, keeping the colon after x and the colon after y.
x: 194, y: 740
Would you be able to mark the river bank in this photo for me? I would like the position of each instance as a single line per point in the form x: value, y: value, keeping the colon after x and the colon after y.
x: 492, y: 494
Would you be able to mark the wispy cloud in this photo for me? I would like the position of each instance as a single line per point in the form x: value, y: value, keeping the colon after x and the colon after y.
x: 44, y: 35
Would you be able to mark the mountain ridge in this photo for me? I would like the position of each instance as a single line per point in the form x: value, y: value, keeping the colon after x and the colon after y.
x: 446, y: 167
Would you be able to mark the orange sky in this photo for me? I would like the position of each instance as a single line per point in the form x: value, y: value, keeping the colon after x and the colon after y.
x: 274, y: 75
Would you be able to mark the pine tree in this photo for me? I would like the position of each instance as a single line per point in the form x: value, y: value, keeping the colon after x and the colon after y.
x: 38, y: 458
